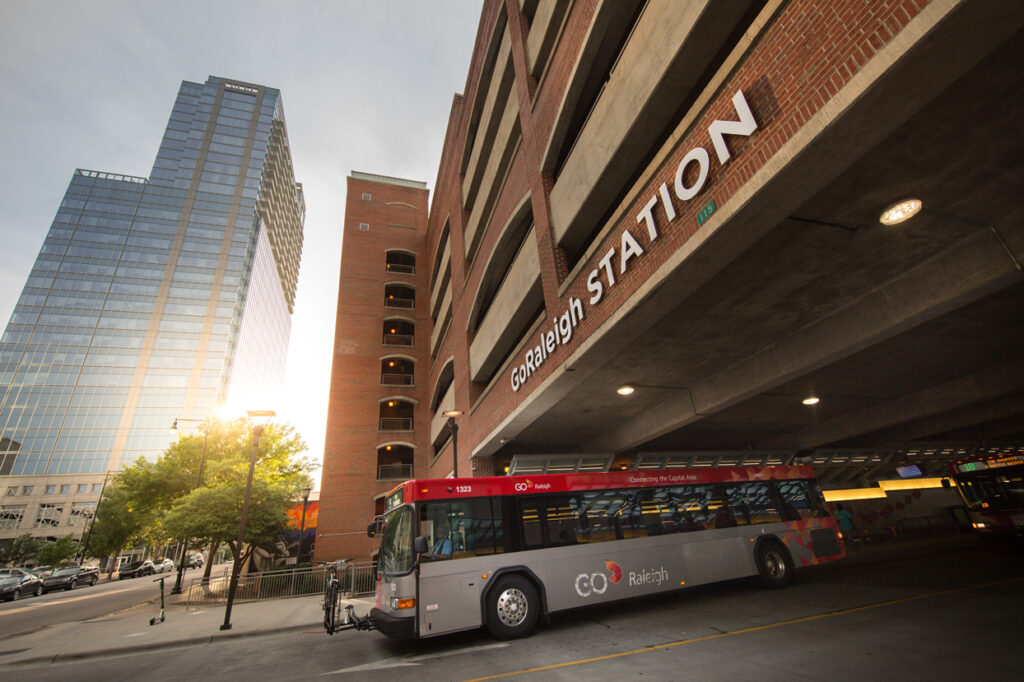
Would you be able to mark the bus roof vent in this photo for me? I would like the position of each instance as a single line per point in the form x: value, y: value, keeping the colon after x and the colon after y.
x: 558, y: 464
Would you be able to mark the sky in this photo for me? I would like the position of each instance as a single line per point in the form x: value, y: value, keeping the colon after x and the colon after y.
x: 367, y: 85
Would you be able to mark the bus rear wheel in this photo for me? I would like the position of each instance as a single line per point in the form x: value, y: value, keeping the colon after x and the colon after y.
x: 512, y: 608
x: 774, y: 564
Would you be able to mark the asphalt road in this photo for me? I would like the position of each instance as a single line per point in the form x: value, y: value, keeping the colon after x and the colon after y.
x: 29, y: 614
x: 947, y: 613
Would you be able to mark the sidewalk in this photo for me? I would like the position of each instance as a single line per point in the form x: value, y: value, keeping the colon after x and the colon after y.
x: 130, y: 631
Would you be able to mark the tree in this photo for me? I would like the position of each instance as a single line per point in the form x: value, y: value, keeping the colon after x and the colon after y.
x: 58, y: 553
x: 19, y: 550
x: 119, y: 523
x: 213, y: 511
x: 153, y: 502
x: 215, y: 514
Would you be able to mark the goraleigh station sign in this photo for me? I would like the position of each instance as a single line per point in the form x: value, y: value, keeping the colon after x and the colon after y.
x: 660, y: 203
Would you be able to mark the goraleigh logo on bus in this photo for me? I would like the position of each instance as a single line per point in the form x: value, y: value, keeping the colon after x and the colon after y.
x: 587, y: 584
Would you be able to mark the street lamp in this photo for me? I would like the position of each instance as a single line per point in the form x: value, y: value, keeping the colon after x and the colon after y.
x: 454, y: 428
x: 199, y: 479
x: 302, y: 526
x: 259, y: 419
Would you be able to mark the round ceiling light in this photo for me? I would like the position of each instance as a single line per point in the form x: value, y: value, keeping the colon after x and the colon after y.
x: 900, y: 211
x: 625, y: 390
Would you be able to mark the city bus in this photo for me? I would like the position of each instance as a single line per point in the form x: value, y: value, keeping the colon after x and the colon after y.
x: 500, y: 552
x: 992, y: 487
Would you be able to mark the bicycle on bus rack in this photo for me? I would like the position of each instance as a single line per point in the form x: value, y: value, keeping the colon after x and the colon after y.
x: 332, y: 601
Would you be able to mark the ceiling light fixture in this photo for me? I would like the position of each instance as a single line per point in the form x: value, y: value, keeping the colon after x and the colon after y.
x: 811, y: 400
x: 900, y: 211
x: 625, y: 390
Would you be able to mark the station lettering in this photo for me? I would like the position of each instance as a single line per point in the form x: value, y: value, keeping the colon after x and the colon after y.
x: 661, y: 207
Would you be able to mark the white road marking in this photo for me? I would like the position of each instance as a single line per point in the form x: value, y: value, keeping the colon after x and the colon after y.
x: 415, y: 660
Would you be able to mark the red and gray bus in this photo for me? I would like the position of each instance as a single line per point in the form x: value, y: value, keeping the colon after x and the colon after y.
x: 993, y: 490
x: 458, y: 554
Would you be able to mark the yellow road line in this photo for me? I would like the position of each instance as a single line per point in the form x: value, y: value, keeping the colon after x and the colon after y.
x: 744, y: 631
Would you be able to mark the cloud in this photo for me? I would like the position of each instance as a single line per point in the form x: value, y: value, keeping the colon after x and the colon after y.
x: 366, y: 86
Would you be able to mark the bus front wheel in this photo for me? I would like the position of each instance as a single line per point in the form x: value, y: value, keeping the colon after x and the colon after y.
x: 774, y: 564
x: 512, y: 608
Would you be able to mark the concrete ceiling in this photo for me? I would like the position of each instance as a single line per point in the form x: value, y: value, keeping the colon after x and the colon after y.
x: 912, y: 333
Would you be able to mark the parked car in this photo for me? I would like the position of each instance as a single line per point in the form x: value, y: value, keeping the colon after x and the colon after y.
x: 194, y: 561
x: 161, y: 565
x: 135, y: 569
x: 42, y: 571
x: 15, y: 583
x: 70, y: 578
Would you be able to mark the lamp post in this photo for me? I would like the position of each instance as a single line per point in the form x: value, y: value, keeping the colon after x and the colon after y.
x: 259, y: 419
x: 199, y: 479
x: 92, y: 520
x: 302, y: 525
x: 454, y: 428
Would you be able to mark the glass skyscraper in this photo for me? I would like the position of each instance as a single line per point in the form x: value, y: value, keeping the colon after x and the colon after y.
x: 151, y: 299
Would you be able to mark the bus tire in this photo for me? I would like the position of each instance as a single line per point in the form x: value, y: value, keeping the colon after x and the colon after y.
x: 512, y: 607
x: 774, y: 565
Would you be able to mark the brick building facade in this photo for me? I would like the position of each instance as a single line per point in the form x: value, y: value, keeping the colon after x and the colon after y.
x: 682, y: 199
x: 377, y: 399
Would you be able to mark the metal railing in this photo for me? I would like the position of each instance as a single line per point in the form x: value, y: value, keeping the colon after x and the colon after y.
x: 356, y: 580
x: 396, y: 379
x: 400, y: 303
x: 399, y: 339
x: 401, y: 267
x: 396, y: 471
x: 396, y: 424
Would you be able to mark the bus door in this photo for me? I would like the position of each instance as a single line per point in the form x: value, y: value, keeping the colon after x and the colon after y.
x: 462, y: 540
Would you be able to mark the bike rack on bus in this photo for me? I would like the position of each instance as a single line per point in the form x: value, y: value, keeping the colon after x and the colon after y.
x: 352, y: 621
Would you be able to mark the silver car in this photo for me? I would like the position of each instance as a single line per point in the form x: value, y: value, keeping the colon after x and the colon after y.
x: 163, y: 565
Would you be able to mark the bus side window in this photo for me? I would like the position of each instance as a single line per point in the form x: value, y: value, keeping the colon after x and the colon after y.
x: 753, y: 502
x: 692, y: 504
x: 610, y: 515
x: 533, y: 517
x: 800, y: 500
x: 460, y: 529
x: 723, y: 516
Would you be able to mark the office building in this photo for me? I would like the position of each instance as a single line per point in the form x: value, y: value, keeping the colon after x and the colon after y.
x: 151, y: 299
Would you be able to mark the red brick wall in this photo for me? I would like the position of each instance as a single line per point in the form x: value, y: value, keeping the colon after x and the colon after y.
x: 798, y: 62
x: 810, y: 50
x: 349, y: 481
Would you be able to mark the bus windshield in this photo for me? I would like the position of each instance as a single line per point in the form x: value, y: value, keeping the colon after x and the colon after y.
x: 994, y: 489
x: 396, y: 555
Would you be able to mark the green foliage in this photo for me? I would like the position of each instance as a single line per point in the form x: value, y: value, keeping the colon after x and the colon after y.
x: 120, y: 522
x: 58, y: 553
x: 20, y: 549
x: 215, y: 514
x: 154, y: 502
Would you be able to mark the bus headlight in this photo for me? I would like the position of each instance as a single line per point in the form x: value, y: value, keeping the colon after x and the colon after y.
x: 979, y: 524
x: 403, y: 603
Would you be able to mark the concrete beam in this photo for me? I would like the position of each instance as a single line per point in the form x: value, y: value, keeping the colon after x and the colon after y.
x: 920, y: 295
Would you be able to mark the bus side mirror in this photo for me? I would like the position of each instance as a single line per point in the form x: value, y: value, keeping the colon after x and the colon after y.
x: 420, y: 545
x: 375, y: 527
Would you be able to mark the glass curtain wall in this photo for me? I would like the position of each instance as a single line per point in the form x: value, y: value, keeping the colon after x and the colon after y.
x: 134, y: 309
